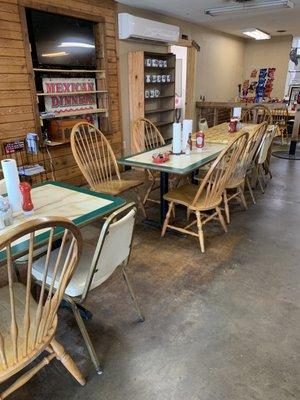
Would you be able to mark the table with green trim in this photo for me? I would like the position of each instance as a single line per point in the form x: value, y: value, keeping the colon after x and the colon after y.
x: 80, y: 205
x: 181, y: 164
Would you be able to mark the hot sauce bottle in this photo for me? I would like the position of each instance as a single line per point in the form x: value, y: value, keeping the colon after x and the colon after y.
x: 27, y: 204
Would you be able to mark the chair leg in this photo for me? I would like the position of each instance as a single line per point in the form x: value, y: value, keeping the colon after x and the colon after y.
x: 67, y: 361
x: 167, y: 219
x: 266, y: 166
x: 188, y: 214
x: 259, y: 178
x: 263, y: 173
x: 200, y: 231
x: 221, y: 219
x: 173, y: 211
x: 242, y: 197
x: 132, y: 295
x: 140, y: 203
x: 226, y: 206
x: 149, y: 190
x: 85, y: 335
x: 250, y: 190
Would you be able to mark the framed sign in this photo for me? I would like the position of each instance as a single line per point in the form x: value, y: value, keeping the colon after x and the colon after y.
x: 68, y: 94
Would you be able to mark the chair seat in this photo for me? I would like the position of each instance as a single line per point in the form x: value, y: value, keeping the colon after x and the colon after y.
x: 5, y: 329
x: 185, y: 195
x: 117, y: 186
x: 77, y: 284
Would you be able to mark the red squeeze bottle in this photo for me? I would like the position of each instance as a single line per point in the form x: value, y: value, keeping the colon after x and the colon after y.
x: 27, y: 204
x: 199, y: 140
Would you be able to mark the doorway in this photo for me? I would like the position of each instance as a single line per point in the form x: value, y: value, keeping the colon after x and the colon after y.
x: 180, y: 79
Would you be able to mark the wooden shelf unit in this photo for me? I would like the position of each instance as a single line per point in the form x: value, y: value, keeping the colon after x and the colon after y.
x: 78, y: 112
x: 101, y: 113
x: 70, y: 71
x: 160, y: 109
x: 72, y: 93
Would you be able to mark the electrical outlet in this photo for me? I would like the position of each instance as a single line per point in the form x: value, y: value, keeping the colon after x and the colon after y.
x: 124, y: 144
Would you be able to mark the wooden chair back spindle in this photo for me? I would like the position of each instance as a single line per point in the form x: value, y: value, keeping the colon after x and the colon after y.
x: 146, y: 136
x: 27, y: 326
x: 214, y: 182
x: 93, y: 154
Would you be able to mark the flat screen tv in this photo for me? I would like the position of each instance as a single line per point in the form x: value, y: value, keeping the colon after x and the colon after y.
x: 61, y: 41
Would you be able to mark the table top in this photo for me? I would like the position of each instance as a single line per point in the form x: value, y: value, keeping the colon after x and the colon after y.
x: 220, y: 134
x: 80, y: 205
x: 178, y: 164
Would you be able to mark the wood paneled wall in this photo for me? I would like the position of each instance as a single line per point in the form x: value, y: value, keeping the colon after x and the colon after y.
x: 17, y: 104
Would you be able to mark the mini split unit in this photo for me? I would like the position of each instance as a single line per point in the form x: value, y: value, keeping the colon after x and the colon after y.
x: 132, y: 27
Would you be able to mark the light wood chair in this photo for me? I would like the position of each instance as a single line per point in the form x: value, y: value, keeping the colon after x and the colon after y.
x: 262, y: 163
x: 96, y: 265
x: 146, y: 137
x: 280, y: 117
x: 207, y: 196
x: 237, y: 179
x: 98, y: 164
x: 257, y: 114
x: 28, y: 326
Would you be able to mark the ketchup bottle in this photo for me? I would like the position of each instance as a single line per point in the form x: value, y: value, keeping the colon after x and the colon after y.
x: 27, y: 204
x: 199, y: 140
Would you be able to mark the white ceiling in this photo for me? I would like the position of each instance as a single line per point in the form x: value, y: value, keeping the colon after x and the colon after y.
x: 193, y: 11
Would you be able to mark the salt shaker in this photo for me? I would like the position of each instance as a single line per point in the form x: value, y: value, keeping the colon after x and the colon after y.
x: 5, y: 211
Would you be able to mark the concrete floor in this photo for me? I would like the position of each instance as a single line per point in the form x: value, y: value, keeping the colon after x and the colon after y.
x: 220, y: 326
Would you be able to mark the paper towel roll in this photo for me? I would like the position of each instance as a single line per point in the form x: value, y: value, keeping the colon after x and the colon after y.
x: 187, y: 128
x: 11, y: 176
x: 176, y: 138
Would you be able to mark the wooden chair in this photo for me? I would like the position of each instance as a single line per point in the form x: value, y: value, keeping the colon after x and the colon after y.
x: 237, y: 179
x: 98, y: 164
x: 262, y: 162
x: 147, y: 137
x: 28, y: 326
x: 96, y: 265
x: 280, y: 117
x: 257, y: 114
x: 207, y: 196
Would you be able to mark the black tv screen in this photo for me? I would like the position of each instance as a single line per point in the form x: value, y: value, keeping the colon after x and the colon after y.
x: 61, y: 41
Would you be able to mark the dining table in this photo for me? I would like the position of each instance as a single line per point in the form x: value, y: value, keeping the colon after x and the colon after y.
x: 220, y: 134
x: 179, y: 164
x: 80, y: 205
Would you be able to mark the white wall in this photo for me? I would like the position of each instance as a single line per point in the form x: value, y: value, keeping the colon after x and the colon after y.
x: 269, y: 53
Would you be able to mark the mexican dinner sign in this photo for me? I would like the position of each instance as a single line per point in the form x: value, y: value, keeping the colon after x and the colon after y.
x: 64, y: 97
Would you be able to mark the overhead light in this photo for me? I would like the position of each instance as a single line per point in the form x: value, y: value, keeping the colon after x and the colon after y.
x: 256, y: 34
x: 57, y: 54
x: 77, y: 44
x: 249, y: 7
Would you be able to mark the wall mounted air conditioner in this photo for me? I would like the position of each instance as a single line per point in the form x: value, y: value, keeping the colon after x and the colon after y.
x: 132, y: 27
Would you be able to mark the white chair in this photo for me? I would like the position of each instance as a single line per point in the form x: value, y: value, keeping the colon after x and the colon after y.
x: 202, y: 124
x: 262, y: 164
x: 96, y: 265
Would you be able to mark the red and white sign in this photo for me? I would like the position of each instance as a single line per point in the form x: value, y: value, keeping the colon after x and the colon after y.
x: 64, y: 96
